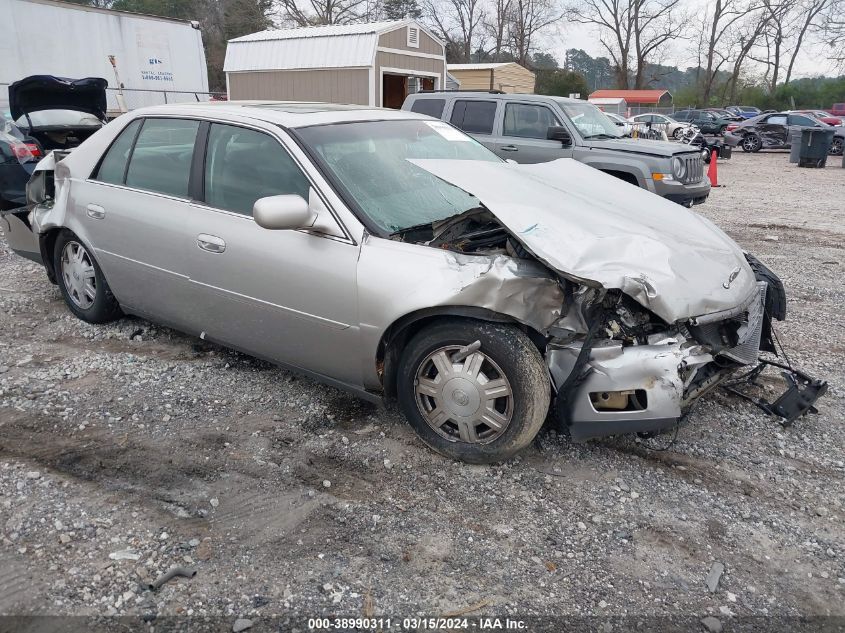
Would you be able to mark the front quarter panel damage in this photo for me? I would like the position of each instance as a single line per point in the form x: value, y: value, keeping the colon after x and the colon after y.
x: 397, y: 279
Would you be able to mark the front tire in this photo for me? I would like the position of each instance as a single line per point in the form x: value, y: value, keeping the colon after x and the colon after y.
x: 678, y: 133
x: 483, y: 408
x: 81, y: 281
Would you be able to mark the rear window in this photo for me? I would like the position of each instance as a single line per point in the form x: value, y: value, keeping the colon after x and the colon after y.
x: 161, y: 159
x: 113, y: 166
x: 474, y: 116
x: 431, y: 107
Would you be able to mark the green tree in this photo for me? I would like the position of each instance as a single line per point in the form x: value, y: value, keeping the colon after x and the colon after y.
x: 561, y: 83
x: 543, y: 61
x: 399, y: 9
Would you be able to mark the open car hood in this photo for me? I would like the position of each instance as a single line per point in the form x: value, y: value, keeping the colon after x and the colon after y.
x: 46, y: 92
x: 592, y: 227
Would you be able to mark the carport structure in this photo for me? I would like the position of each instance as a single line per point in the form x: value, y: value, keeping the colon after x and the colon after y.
x: 375, y: 64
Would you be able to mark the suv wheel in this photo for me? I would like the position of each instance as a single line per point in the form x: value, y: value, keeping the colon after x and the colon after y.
x: 751, y: 143
x: 482, y: 408
x: 81, y: 282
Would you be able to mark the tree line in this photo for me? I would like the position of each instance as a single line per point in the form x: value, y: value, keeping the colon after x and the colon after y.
x: 734, y: 46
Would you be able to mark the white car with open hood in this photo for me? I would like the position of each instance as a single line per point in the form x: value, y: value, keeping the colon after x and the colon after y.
x: 392, y: 255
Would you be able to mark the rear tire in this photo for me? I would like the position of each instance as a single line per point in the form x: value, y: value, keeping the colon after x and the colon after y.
x: 751, y: 143
x: 81, y: 281
x: 836, y: 147
x: 449, y: 403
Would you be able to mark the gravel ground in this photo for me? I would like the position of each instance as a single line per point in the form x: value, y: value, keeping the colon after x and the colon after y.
x: 129, y: 448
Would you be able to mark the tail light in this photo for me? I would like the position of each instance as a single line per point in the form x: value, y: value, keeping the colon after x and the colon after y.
x: 731, y: 127
x: 25, y: 151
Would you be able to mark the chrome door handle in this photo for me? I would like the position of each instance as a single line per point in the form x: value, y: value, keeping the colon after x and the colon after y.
x: 95, y: 211
x: 509, y: 148
x: 211, y: 243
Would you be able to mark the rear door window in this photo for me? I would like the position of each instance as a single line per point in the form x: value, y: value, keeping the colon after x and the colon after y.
x: 474, y: 116
x: 528, y: 121
x: 161, y: 159
x: 431, y: 107
x: 243, y: 165
x: 799, y: 119
x: 777, y: 120
x: 113, y: 166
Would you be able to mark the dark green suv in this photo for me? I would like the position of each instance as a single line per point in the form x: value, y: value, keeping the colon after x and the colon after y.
x: 706, y: 121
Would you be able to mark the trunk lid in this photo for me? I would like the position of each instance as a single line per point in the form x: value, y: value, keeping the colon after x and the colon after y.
x: 46, y: 92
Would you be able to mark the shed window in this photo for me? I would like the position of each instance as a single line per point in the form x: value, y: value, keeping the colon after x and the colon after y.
x: 413, y: 37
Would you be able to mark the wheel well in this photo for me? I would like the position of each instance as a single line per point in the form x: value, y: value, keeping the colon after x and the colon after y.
x: 623, y: 175
x: 46, y: 243
x: 395, y: 338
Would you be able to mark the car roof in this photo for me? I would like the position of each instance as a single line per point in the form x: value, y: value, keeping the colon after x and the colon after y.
x: 289, y: 114
x: 488, y: 94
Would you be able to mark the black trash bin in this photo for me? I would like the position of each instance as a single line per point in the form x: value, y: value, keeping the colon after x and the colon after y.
x: 815, y: 143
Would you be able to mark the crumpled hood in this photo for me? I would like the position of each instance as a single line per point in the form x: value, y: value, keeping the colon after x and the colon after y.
x: 593, y: 227
x: 46, y: 92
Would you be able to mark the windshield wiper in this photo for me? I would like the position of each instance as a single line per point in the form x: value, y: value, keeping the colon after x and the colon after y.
x: 602, y: 135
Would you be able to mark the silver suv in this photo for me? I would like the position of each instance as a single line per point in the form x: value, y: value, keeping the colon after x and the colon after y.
x: 537, y: 128
x: 391, y: 254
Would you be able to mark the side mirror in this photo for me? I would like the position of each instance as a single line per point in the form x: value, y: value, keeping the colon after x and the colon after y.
x: 559, y: 133
x: 281, y: 213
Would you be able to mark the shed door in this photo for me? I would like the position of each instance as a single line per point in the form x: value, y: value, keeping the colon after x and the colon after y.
x: 394, y: 91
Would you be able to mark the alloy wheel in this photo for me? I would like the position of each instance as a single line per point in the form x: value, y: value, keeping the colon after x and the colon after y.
x: 750, y: 143
x: 469, y: 400
x: 78, y: 274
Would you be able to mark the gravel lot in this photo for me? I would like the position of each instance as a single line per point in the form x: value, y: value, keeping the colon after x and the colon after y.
x: 129, y: 448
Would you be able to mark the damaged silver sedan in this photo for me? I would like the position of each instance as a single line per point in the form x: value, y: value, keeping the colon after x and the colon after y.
x: 390, y: 254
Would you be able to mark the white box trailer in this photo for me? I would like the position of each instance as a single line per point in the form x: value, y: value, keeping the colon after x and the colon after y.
x: 158, y: 59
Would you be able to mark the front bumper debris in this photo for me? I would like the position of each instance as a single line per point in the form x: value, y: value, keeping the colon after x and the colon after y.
x: 800, y: 396
x: 650, y: 378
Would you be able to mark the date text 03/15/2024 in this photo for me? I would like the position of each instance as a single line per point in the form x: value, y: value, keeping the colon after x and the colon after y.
x: 417, y: 624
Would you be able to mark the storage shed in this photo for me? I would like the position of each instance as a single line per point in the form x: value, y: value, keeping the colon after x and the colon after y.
x: 505, y: 76
x: 616, y: 105
x: 376, y: 64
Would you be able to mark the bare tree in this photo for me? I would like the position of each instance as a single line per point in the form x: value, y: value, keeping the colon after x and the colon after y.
x: 459, y: 23
x: 316, y: 12
x: 631, y: 31
x: 719, y: 49
x: 748, y: 37
x: 496, y: 27
x: 529, y: 17
x: 614, y: 20
x: 811, y: 12
x: 832, y: 31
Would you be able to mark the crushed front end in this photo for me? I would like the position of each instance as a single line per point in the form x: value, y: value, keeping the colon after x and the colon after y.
x: 618, y: 369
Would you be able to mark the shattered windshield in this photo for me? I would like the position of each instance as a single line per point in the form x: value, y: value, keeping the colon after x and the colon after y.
x: 591, y: 122
x: 370, y: 159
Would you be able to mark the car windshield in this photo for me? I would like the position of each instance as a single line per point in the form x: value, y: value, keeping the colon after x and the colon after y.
x: 590, y: 121
x: 371, y: 160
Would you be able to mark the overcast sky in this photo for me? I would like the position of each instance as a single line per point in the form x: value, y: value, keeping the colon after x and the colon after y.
x: 811, y: 61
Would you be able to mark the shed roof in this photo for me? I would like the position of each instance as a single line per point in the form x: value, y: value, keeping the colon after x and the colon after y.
x: 478, y: 66
x: 329, y: 46
x: 633, y: 96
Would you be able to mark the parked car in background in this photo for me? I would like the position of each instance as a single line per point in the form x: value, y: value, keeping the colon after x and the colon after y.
x: 746, y: 112
x: 821, y: 115
x: 772, y: 131
x: 837, y: 109
x: 674, y: 129
x: 18, y: 157
x: 45, y: 113
x: 725, y: 114
x: 59, y: 113
x: 706, y: 121
x: 529, y: 283
x: 528, y: 128
x: 621, y: 123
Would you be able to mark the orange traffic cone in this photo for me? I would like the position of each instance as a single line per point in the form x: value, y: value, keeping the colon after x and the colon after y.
x: 713, y: 172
